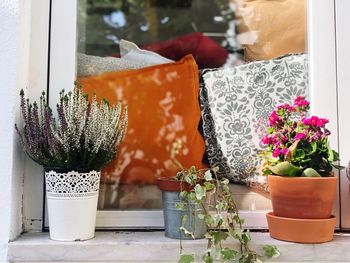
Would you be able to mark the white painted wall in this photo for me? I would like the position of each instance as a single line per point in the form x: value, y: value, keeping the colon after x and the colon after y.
x: 11, y: 158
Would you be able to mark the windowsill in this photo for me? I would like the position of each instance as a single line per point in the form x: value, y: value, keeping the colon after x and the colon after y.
x: 154, y: 247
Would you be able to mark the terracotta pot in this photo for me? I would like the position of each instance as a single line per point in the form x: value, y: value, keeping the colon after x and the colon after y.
x: 302, y: 197
x: 173, y: 185
x: 301, y: 230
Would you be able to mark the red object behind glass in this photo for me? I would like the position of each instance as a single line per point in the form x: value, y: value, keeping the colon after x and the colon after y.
x: 207, y: 53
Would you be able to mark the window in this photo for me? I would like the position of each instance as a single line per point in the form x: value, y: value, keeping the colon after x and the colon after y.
x: 96, y: 28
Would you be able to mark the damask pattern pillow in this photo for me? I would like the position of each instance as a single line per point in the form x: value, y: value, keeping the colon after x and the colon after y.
x: 236, y: 104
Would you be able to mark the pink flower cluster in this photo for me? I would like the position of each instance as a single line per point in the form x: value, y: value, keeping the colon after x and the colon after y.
x: 315, y: 121
x: 288, y: 125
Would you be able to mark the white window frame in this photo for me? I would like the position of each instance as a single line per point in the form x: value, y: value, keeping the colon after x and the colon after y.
x: 61, y: 71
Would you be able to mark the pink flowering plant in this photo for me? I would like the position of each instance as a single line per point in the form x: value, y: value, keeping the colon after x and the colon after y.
x: 297, y: 145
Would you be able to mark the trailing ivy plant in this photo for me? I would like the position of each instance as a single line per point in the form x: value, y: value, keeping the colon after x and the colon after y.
x: 220, y: 215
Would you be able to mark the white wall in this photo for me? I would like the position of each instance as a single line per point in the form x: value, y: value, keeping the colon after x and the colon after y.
x: 10, y: 153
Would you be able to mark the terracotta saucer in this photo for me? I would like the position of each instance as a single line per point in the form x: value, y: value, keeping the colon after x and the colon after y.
x: 301, y: 230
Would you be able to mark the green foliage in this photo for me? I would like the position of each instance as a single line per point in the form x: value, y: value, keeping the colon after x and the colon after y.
x: 221, y: 217
x: 271, y: 251
x: 297, y: 145
x: 286, y: 169
x: 186, y: 258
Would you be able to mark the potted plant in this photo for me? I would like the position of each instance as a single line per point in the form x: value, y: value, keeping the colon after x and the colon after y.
x: 299, y: 162
x: 179, y: 210
x: 72, y: 147
x: 202, y: 206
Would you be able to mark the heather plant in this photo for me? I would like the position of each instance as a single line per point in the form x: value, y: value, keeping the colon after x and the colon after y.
x: 297, y: 145
x: 83, y: 136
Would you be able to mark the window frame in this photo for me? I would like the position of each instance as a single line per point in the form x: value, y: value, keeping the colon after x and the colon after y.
x: 61, y: 70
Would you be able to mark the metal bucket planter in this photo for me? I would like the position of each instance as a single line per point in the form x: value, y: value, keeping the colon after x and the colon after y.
x: 72, y: 204
x: 173, y: 216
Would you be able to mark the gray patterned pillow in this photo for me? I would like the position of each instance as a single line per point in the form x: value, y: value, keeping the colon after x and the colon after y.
x: 236, y: 104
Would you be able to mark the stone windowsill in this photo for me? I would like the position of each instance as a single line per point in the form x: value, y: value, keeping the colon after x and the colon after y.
x: 154, y: 247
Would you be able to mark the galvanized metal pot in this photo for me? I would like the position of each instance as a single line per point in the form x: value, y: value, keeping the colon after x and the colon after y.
x: 173, y: 217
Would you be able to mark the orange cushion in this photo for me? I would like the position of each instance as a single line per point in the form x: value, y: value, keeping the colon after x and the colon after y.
x: 271, y: 28
x: 163, y: 106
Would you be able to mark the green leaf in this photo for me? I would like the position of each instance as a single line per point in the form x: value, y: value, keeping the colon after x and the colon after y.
x: 286, y: 169
x: 180, y: 206
x: 186, y: 258
x: 218, y: 236
x: 208, y: 220
x: 200, y: 191
x: 268, y: 157
x: 201, y: 216
x: 330, y: 155
x: 184, y: 219
x: 206, y: 258
x: 208, y: 176
x: 228, y: 254
x: 246, y: 237
x: 209, y: 186
x: 299, y: 154
x: 310, y: 172
x: 188, y: 233
x: 271, y: 251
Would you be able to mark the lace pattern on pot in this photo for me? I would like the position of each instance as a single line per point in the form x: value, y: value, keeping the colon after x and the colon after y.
x: 236, y: 103
x: 72, y: 184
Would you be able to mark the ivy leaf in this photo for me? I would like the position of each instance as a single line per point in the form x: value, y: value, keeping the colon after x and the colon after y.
x: 201, y: 216
x: 186, y: 258
x: 218, y: 236
x: 208, y: 176
x: 246, y: 237
x: 209, y: 186
x: 271, y: 251
x: 206, y: 258
x: 180, y: 206
x: 188, y: 233
x: 286, y: 169
x: 208, y: 220
x: 228, y: 254
x: 200, y: 191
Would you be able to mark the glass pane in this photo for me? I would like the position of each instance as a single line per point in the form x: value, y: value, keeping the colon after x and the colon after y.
x: 122, y: 45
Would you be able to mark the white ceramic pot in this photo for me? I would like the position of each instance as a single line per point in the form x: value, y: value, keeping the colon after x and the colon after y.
x: 72, y: 204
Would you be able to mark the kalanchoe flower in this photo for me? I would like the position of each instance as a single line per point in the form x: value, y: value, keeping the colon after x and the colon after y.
x: 300, y: 136
x: 276, y: 153
x: 299, y: 140
x: 265, y: 140
x: 300, y: 101
x: 274, y: 118
x: 285, y: 151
